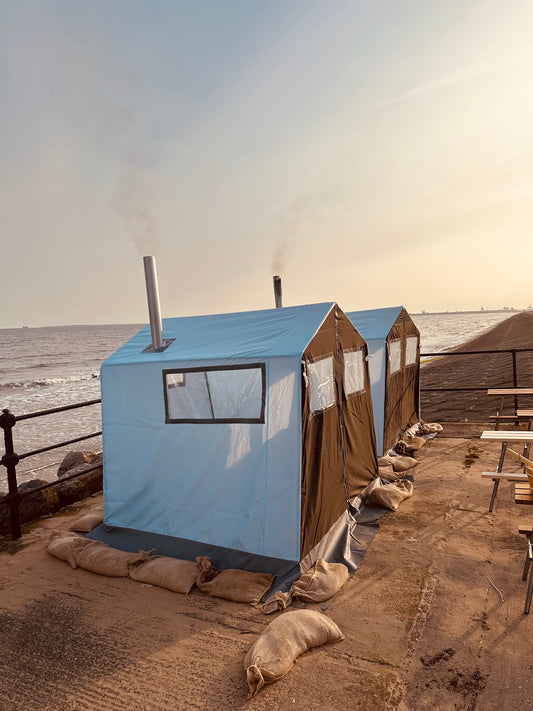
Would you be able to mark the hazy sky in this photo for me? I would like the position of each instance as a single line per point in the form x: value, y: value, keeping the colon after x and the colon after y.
x: 373, y: 152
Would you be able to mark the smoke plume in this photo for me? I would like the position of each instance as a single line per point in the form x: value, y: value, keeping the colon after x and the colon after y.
x: 132, y: 201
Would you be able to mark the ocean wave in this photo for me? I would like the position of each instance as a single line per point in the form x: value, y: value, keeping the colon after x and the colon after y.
x: 47, y: 382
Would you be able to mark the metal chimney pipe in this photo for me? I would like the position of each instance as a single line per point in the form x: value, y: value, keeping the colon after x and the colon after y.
x: 277, y: 291
x: 154, y: 309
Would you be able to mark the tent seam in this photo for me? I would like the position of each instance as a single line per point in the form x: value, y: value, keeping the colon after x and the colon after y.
x: 267, y: 446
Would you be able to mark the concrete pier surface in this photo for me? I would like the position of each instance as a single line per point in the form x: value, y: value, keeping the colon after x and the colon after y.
x: 433, y: 618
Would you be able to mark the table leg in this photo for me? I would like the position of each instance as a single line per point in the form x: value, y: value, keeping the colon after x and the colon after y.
x: 527, y: 445
x: 529, y: 594
x: 494, y: 493
x: 498, y: 415
x: 528, y: 559
x: 502, y: 457
x: 497, y: 481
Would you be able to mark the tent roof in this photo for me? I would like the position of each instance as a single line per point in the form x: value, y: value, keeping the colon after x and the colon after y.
x: 248, y: 334
x: 374, y: 323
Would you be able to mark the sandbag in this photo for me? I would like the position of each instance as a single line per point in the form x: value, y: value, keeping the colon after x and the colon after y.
x: 402, y: 463
x: 65, y: 545
x: 429, y: 428
x: 385, y: 470
x: 232, y: 584
x: 289, y: 635
x: 389, y: 474
x: 412, y: 441
x: 165, y: 572
x: 88, y: 522
x: 374, y: 484
x: 278, y: 601
x: 385, y: 461
x: 319, y: 583
x: 100, y: 558
x: 389, y: 496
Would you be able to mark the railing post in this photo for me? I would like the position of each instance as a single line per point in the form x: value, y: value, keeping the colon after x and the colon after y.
x: 10, y: 461
x: 515, y: 380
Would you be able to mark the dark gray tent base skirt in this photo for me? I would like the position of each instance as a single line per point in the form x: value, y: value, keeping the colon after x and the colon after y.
x: 345, y: 543
x: 131, y: 540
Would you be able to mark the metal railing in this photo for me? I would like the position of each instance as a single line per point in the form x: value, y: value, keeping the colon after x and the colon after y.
x: 445, y: 354
x: 10, y: 459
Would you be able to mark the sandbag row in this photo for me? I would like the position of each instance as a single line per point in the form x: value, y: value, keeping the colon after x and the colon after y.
x: 273, y: 654
x: 394, y: 465
x: 416, y: 436
x: 163, y: 571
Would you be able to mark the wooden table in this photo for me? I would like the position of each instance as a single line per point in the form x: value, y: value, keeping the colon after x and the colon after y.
x: 505, y: 437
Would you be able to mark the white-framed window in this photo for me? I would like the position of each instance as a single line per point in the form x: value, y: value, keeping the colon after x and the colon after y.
x: 225, y: 393
x: 395, y: 356
x: 321, y: 383
x: 411, y: 350
x: 354, y: 372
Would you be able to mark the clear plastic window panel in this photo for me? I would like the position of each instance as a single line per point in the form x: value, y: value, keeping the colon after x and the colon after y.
x: 321, y: 384
x: 395, y: 356
x: 226, y: 394
x: 175, y: 380
x: 411, y: 350
x: 354, y: 372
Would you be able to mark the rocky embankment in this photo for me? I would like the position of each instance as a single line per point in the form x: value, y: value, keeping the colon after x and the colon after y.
x: 34, y: 504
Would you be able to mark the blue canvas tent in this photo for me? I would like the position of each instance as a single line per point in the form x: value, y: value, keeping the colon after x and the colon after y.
x: 394, y: 365
x: 248, y: 433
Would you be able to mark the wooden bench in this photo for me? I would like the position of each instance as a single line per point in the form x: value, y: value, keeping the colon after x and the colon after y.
x: 526, y: 414
x: 505, y: 437
x: 511, y: 418
x: 527, y: 531
x: 516, y: 392
x: 523, y: 494
x: 508, y: 476
x: 520, y: 416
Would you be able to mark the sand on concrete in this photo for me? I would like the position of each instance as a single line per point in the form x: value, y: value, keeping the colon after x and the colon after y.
x: 424, y: 627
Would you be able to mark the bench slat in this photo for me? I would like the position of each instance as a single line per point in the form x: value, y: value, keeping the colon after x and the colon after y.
x: 509, y: 476
x: 506, y: 436
x: 510, y: 417
x: 521, y: 493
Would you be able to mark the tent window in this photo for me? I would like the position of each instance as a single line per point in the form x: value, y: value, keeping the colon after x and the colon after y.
x: 395, y: 356
x: 321, y: 383
x: 411, y: 350
x: 354, y: 372
x: 215, y: 394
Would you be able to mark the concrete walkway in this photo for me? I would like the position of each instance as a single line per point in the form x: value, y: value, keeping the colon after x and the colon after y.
x: 424, y: 626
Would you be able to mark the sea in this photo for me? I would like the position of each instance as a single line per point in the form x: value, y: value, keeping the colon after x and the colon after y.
x: 54, y: 366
